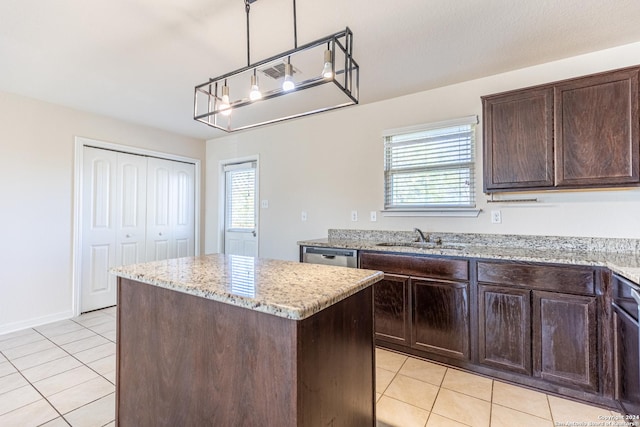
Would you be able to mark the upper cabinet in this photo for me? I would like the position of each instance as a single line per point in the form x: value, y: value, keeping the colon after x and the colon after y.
x: 578, y: 133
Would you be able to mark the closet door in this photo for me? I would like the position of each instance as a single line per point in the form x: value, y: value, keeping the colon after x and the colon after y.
x: 98, y: 228
x: 131, y: 209
x: 170, y: 209
x: 113, y: 221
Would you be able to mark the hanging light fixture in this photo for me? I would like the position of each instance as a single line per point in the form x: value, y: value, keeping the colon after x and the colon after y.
x: 316, y: 77
x: 327, y: 70
x: 254, y: 93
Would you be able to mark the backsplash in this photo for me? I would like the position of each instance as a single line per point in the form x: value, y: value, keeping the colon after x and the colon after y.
x: 573, y: 244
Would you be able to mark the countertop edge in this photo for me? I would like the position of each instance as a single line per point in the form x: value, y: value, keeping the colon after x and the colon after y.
x: 280, y: 310
x: 594, y: 259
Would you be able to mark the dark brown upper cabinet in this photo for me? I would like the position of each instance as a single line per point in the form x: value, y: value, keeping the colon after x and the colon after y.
x: 578, y: 133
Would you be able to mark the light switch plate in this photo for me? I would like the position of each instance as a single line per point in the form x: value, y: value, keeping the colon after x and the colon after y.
x: 264, y: 204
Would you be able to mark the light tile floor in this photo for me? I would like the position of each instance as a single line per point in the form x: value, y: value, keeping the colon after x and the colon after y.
x: 60, y: 374
x: 413, y: 392
x: 63, y: 374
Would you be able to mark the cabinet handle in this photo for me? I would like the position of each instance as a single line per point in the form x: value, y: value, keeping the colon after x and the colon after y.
x: 636, y: 296
x: 128, y: 235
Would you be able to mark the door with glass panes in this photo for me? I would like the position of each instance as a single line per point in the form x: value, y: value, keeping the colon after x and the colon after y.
x: 240, y: 236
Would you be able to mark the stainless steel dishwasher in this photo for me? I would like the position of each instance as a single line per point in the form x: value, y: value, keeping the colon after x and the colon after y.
x: 330, y: 256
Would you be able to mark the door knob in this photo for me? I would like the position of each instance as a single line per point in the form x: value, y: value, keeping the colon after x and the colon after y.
x: 127, y: 236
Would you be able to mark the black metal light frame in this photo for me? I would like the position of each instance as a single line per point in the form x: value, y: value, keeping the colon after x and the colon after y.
x: 208, y: 95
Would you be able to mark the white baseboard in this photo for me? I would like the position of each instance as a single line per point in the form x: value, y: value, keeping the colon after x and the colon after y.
x: 38, y: 321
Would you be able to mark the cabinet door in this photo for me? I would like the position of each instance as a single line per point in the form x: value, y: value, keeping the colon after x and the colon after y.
x: 391, y: 296
x: 505, y: 328
x: 518, y: 140
x: 440, y: 317
x: 564, y: 339
x: 627, y: 361
x: 596, y: 130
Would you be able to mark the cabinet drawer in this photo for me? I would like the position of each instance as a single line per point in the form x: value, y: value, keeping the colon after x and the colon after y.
x: 439, y: 268
x: 574, y: 280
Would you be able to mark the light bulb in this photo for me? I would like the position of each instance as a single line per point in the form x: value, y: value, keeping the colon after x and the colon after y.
x: 327, y: 71
x: 288, y: 83
x: 225, y: 104
x: 254, y: 93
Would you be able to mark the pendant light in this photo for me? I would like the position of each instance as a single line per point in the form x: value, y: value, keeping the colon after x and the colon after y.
x: 225, y: 104
x: 327, y: 70
x: 254, y: 93
x: 263, y: 89
x: 288, y: 83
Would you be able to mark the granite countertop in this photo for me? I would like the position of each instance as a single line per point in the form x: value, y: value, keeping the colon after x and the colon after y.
x: 619, y: 255
x: 283, y: 288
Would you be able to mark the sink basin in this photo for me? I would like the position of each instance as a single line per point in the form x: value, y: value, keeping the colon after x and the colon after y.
x: 422, y: 245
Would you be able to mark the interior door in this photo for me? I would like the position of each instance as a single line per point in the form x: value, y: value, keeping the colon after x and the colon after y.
x: 134, y: 209
x: 170, y: 209
x: 113, y: 221
x: 240, y: 235
x: 98, y: 228
x: 131, y: 209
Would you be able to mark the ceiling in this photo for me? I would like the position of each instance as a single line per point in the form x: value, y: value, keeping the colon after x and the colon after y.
x: 139, y: 60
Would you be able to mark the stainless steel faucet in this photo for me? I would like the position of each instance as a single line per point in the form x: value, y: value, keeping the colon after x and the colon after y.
x: 422, y: 238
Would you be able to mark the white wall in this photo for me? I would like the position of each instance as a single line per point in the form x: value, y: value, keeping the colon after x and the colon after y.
x: 332, y: 163
x: 36, y: 189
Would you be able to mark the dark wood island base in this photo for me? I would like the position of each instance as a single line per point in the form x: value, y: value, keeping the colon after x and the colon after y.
x: 184, y: 360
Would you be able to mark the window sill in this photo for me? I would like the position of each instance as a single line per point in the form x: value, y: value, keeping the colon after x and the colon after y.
x: 445, y: 212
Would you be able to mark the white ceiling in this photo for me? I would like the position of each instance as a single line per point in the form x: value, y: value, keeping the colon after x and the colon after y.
x: 139, y: 60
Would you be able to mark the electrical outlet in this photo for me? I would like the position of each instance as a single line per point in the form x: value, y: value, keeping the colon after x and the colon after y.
x: 496, y: 217
x: 303, y: 216
x: 354, y: 215
x: 264, y: 204
x: 374, y: 216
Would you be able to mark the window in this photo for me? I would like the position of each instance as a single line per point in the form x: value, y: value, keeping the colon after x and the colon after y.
x: 430, y: 167
x: 240, y: 206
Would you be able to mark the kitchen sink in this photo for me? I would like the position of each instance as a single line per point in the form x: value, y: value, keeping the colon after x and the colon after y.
x: 422, y: 245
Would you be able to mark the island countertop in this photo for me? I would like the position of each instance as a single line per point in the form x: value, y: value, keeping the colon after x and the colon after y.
x: 286, y: 289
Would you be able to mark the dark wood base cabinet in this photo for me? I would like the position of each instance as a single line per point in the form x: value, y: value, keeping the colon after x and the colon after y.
x: 422, y: 303
x: 504, y: 332
x: 546, y: 326
x: 183, y: 360
x: 391, y: 301
x: 440, y: 322
x: 626, y: 300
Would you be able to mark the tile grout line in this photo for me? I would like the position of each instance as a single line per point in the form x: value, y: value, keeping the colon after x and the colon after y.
x: 83, y: 364
x: 68, y: 353
x: 33, y: 387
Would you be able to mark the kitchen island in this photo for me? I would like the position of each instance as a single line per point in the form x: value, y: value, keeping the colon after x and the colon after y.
x: 236, y: 341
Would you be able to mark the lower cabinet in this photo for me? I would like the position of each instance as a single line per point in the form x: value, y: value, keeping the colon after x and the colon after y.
x: 440, y: 317
x: 391, y: 309
x: 541, y: 325
x: 626, y: 303
x: 504, y: 328
x: 541, y: 321
x: 565, y: 336
x: 421, y: 303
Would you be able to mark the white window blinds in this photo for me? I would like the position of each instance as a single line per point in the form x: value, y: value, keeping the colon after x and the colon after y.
x: 240, y: 194
x: 431, y: 166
